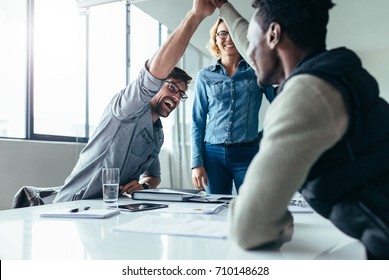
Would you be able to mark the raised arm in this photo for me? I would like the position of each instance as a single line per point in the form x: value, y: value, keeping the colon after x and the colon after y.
x: 161, y: 64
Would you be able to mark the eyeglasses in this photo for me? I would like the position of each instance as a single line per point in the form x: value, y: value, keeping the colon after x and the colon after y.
x: 222, y: 34
x: 175, y: 89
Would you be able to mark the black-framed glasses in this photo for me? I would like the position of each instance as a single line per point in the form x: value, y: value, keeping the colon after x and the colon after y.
x: 222, y: 34
x: 175, y: 89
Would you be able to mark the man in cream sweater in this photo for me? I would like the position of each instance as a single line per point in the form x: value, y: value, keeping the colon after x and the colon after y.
x: 326, y: 134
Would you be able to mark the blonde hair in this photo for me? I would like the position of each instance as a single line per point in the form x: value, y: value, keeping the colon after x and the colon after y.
x: 211, y: 45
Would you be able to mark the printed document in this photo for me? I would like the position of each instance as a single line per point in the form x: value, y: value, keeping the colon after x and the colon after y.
x: 173, y: 225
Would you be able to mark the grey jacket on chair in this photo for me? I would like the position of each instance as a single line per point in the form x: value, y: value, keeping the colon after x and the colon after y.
x: 32, y: 196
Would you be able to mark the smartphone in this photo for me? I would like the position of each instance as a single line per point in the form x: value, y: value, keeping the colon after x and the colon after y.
x: 135, y: 207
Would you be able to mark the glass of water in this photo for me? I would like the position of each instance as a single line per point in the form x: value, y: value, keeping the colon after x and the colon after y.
x: 110, y: 180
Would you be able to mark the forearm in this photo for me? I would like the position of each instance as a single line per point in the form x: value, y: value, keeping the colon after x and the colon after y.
x: 166, y: 58
x: 199, y: 121
x: 237, y: 26
x: 197, y: 139
x: 197, y: 155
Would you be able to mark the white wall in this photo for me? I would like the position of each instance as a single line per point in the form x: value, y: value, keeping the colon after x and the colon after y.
x: 41, y: 164
x: 377, y: 63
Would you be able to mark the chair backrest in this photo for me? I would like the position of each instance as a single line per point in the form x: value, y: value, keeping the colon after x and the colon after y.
x: 32, y: 196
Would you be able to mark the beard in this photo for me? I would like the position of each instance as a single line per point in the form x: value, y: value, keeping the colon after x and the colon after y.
x: 160, y: 109
x: 272, y: 71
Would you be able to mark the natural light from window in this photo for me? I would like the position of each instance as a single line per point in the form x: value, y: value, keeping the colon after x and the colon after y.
x: 59, y: 69
x: 13, y: 30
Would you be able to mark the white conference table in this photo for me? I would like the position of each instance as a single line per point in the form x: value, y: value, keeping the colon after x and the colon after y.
x: 24, y: 235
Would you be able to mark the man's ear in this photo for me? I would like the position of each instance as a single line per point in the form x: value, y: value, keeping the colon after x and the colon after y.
x: 273, y: 35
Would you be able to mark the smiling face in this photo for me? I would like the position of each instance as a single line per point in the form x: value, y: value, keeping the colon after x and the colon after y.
x: 225, y: 45
x: 165, y: 101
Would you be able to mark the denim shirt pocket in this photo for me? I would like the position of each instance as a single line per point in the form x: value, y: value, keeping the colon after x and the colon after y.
x: 138, y: 157
x: 142, y: 144
x: 215, y: 90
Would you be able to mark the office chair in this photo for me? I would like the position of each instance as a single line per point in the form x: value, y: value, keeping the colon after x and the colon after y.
x: 32, y: 196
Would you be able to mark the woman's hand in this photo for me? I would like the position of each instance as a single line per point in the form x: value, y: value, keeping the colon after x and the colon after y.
x: 199, y: 177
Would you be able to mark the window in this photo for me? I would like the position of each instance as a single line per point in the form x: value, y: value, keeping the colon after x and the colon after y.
x: 143, y: 44
x: 58, y: 69
x: 13, y: 82
x: 61, y: 65
x: 107, y: 57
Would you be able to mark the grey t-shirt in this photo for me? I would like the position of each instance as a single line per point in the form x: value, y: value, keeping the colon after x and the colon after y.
x: 125, y: 138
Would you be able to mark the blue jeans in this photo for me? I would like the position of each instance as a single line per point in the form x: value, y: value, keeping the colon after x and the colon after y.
x: 225, y: 164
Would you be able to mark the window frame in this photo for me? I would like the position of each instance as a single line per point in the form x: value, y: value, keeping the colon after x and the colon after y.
x: 30, y: 133
x: 29, y: 129
x: 29, y: 91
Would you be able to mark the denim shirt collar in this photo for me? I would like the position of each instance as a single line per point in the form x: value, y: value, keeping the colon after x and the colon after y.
x: 242, y: 65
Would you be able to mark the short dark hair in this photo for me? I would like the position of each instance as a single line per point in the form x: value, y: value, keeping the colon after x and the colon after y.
x: 179, y: 74
x: 303, y: 21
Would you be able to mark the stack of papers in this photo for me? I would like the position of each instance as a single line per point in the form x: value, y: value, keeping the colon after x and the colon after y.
x: 180, y: 195
x: 165, y: 194
x: 183, y: 226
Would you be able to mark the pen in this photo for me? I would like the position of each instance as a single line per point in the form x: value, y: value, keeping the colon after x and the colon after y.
x: 75, y: 210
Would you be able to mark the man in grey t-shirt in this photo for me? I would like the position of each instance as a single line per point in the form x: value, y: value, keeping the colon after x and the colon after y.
x: 129, y: 135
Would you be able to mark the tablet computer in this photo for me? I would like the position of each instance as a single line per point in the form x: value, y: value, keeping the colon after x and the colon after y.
x: 135, y: 207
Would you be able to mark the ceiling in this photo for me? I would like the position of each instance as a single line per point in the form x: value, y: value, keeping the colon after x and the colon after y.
x: 357, y: 24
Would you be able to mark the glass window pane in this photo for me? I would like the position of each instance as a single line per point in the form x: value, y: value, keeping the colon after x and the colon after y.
x: 144, y: 39
x: 107, y: 57
x: 164, y: 33
x: 169, y: 121
x: 13, y: 50
x: 59, y: 68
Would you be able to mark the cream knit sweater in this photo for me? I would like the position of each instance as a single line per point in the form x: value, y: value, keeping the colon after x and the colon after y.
x: 306, y: 118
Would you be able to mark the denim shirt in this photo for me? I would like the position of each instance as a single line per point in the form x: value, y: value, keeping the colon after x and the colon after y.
x: 225, y: 109
x: 125, y: 138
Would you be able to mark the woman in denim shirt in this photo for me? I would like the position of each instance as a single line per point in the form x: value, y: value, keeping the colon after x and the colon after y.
x: 226, y: 105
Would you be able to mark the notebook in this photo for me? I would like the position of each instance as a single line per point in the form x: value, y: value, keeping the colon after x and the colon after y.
x: 166, y: 194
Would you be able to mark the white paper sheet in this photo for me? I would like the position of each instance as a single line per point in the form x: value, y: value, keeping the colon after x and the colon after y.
x: 299, y: 209
x: 194, y: 208
x: 299, y: 205
x: 185, y: 226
